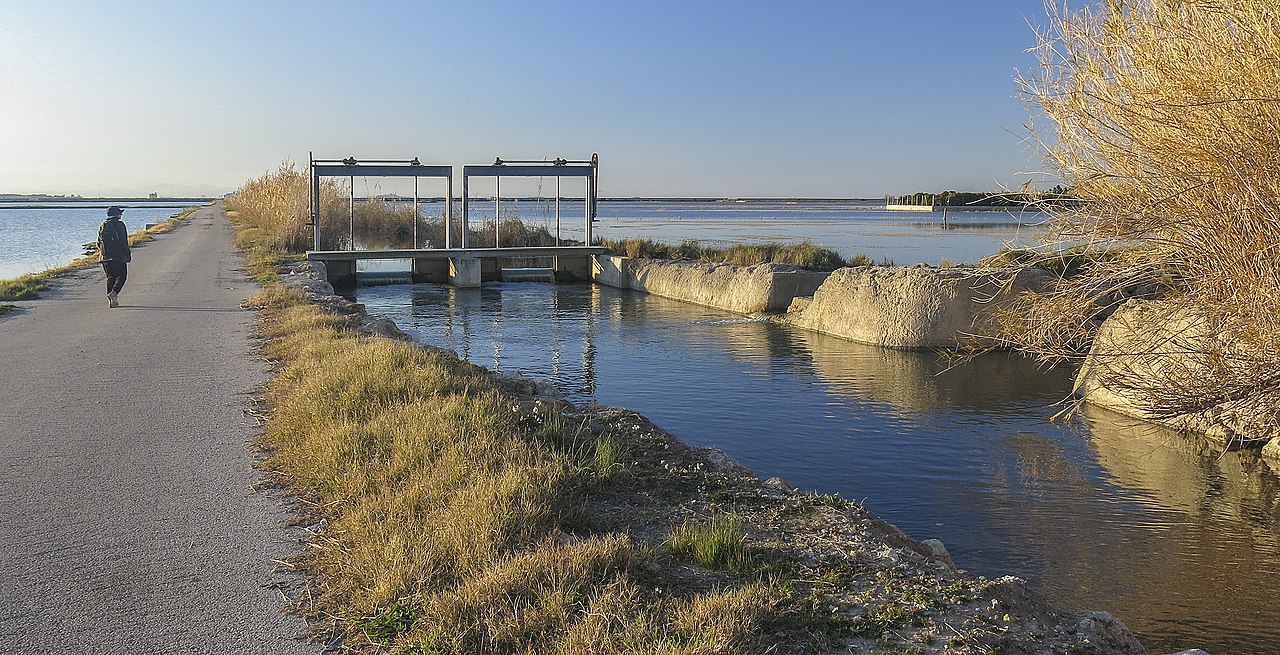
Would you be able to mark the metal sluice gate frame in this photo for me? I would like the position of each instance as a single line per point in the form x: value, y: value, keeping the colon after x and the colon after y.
x: 350, y: 167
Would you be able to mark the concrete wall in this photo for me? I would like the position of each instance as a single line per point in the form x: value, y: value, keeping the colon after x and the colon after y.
x: 572, y: 269
x: 1149, y: 349
x: 760, y: 289
x: 431, y: 270
x: 911, y: 308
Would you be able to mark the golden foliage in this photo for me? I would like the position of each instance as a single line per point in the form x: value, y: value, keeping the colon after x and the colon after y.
x: 1163, y: 117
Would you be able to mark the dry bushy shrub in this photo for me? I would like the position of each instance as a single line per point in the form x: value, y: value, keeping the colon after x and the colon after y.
x: 276, y: 208
x: 1163, y: 116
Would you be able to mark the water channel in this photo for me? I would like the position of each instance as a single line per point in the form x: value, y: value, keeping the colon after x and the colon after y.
x: 1179, y: 540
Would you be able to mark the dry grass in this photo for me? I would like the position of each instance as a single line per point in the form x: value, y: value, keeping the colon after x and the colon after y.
x: 448, y: 510
x: 1162, y: 117
x: 804, y: 255
x: 24, y: 287
x: 272, y: 214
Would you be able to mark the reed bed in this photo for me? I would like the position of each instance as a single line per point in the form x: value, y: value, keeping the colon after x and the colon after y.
x: 805, y: 254
x: 1162, y: 118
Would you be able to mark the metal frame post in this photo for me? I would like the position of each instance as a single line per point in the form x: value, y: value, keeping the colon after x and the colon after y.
x: 351, y: 239
x: 371, y: 168
x: 315, y: 202
x: 465, y: 214
x: 497, y: 209
x: 589, y: 202
x: 448, y: 210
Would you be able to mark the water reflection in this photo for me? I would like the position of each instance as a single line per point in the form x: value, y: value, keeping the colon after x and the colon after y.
x: 1217, y: 538
x: 1164, y: 532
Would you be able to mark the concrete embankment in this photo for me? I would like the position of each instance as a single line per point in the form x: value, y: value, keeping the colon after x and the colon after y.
x: 759, y: 289
x: 1151, y: 356
x: 911, y: 308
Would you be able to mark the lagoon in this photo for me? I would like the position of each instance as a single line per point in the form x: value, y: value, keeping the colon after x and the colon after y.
x: 33, y: 240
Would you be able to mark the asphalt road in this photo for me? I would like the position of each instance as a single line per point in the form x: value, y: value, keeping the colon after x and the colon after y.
x: 129, y: 521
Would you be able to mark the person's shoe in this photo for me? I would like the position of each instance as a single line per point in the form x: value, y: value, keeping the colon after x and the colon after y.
x: 112, y: 298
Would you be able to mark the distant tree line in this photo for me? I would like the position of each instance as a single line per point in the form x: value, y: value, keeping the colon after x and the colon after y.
x: 1058, y: 193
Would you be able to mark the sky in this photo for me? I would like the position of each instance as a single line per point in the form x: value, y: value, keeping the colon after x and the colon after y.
x: 702, y: 98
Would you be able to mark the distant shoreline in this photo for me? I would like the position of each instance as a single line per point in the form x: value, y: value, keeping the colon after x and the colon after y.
x: 40, y: 202
x: 62, y: 202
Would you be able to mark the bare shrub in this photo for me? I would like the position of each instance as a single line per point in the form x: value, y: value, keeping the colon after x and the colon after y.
x: 1162, y: 117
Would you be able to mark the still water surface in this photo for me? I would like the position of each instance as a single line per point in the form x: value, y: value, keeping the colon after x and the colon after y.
x: 849, y: 227
x: 1175, y: 538
x: 33, y: 240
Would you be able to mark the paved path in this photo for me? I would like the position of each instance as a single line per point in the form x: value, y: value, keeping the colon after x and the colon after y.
x: 128, y: 518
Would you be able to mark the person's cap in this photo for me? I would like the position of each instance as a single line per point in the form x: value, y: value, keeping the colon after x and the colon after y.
x: 115, y: 211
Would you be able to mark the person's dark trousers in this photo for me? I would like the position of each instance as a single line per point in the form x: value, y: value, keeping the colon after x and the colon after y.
x: 116, y: 274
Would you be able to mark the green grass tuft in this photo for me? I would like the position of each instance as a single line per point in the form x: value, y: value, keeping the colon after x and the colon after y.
x: 384, y: 626
x: 24, y: 287
x: 805, y: 255
x: 718, y: 544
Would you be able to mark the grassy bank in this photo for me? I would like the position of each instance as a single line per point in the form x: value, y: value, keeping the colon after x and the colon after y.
x: 456, y: 515
x: 29, y: 286
x: 804, y: 255
x: 454, y: 512
x: 459, y: 513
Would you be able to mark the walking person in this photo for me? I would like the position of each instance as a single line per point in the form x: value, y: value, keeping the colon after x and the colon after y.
x: 113, y: 246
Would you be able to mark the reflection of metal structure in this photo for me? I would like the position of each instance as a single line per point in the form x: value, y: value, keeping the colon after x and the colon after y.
x: 351, y: 167
x: 557, y: 168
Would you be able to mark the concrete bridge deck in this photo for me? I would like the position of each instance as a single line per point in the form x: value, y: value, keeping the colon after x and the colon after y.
x: 464, y: 267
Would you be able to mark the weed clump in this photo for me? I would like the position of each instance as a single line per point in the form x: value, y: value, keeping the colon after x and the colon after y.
x: 805, y: 255
x: 717, y: 544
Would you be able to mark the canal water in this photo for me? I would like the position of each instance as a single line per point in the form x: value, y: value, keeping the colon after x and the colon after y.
x: 1179, y: 540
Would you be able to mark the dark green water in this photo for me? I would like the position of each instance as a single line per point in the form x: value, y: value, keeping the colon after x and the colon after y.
x: 1180, y: 541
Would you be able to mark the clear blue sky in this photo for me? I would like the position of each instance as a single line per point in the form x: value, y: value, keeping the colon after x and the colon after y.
x: 698, y: 98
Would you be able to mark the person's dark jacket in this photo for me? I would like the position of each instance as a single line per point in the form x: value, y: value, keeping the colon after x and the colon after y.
x: 113, y: 240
